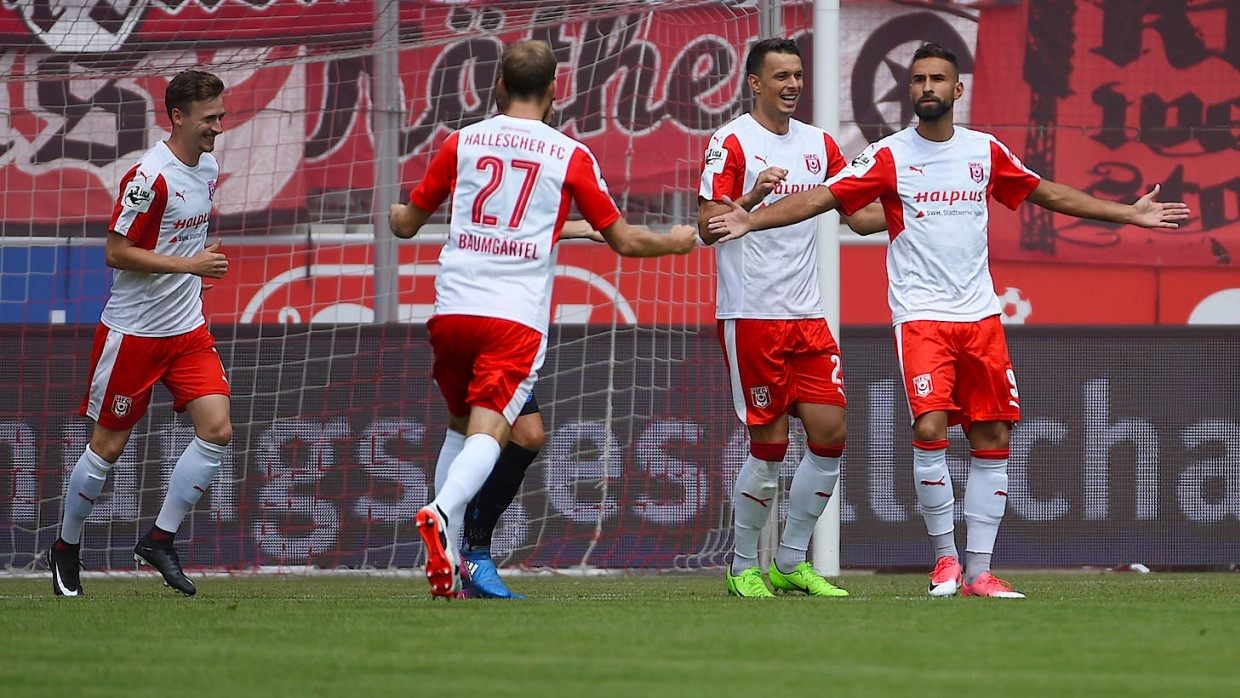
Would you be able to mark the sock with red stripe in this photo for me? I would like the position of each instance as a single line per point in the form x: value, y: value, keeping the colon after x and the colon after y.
x: 815, y: 480
x: 191, y: 477
x: 934, y: 491
x: 753, y: 495
x: 85, y: 483
x: 985, y: 499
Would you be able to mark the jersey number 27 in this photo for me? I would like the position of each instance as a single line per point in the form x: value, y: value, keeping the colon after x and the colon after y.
x: 497, y: 168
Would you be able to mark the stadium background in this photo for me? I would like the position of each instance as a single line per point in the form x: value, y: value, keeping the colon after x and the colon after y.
x: 1130, y: 448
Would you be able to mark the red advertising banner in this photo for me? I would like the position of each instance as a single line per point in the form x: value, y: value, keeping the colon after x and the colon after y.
x: 1113, y: 97
x: 299, y: 283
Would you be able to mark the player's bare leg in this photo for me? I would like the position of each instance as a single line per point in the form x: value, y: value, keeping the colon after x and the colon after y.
x: 937, y: 499
x: 752, y: 496
x: 85, y: 483
x: 191, y: 477
x: 439, y: 523
x: 815, y: 480
x: 985, y: 499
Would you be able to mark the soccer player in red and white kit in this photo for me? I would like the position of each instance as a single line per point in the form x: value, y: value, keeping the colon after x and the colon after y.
x: 933, y: 181
x: 511, y: 178
x: 780, y: 353
x: 153, y: 330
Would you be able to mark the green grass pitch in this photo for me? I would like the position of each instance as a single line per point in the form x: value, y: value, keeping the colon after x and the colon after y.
x: 1078, y: 634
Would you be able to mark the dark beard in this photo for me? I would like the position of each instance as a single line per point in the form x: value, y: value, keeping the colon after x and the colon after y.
x: 931, y: 112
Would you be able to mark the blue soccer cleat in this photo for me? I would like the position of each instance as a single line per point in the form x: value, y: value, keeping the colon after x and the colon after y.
x: 482, y: 579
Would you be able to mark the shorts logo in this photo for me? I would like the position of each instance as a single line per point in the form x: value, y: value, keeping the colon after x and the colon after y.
x: 976, y: 172
x: 121, y: 405
x: 922, y: 385
x: 813, y: 164
x: 760, y: 396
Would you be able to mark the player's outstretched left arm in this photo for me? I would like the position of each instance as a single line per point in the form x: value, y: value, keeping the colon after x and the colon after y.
x: 1146, y: 212
x: 631, y: 241
x: 406, y: 220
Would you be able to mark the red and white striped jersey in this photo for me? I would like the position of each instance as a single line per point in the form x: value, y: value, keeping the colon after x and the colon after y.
x: 511, y: 182
x: 770, y: 274
x: 164, y: 206
x: 934, y: 199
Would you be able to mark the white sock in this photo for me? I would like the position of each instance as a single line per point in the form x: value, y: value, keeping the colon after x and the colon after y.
x: 469, y: 470
x: 191, y: 477
x: 985, y: 498
x: 812, y: 486
x: 752, y: 497
x: 934, y: 486
x: 453, y: 442
x: 85, y: 484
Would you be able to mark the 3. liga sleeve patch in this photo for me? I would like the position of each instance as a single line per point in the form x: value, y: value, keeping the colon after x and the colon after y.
x: 137, y: 198
x: 715, y: 159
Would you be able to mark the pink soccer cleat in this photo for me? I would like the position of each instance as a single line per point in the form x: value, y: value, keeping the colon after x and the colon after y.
x: 945, y: 579
x: 443, y: 568
x: 992, y: 586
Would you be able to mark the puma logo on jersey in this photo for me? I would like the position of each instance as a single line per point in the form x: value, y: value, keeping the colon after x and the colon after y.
x: 918, y: 170
x: 762, y: 160
x: 180, y: 196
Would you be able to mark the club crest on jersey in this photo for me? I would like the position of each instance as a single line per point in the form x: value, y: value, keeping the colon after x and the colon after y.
x: 760, y: 396
x: 812, y: 163
x: 137, y: 198
x: 121, y: 405
x: 977, y: 172
x: 923, y: 385
x: 211, y: 190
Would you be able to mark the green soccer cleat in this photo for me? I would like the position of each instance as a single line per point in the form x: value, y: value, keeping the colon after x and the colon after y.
x: 748, y: 584
x: 805, y: 579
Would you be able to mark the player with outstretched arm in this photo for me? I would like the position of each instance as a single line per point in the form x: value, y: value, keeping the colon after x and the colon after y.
x: 933, y: 181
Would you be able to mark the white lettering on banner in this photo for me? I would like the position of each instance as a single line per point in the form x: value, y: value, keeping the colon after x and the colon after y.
x: 584, y: 461
x: 661, y: 468
x: 1208, y: 490
x: 583, y: 458
x: 289, y: 492
x: 173, y: 438
x: 881, y: 421
x: 1021, y: 500
x: 23, y: 463
x: 378, y: 452
x: 1101, y: 436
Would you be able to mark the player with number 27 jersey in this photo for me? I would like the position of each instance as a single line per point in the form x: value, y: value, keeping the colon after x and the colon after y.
x: 511, y: 182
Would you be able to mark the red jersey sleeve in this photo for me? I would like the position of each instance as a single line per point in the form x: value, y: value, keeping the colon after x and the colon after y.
x: 870, y: 175
x: 440, y: 178
x: 584, y: 183
x: 723, y: 171
x: 835, y: 159
x: 139, y: 210
x: 1010, y: 181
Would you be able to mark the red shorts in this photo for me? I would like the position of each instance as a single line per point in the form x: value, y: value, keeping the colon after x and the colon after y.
x: 485, y: 362
x: 124, y: 369
x: 775, y: 364
x: 959, y: 367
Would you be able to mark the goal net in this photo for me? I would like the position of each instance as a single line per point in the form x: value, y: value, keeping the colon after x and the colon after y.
x: 337, y: 422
